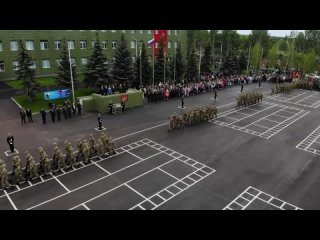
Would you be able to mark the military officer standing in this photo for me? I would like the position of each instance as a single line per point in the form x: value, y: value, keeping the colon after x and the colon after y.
x: 10, y: 140
x: 100, y: 121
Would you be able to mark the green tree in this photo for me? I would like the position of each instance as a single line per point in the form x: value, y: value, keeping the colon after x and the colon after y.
x: 145, y: 69
x: 159, y: 63
x: 206, y: 61
x: 261, y: 36
x: 180, y: 66
x: 122, y: 70
x: 97, y: 69
x: 242, y: 61
x: 255, y: 55
x: 26, y: 73
x: 191, y: 71
x: 273, y: 56
x: 63, y: 70
x: 309, y: 63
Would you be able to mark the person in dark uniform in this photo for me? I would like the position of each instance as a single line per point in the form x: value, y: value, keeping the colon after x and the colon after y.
x: 182, y: 102
x: 215, y: 92
x: 53, y: 114
x: 29, y: 115
x: 79, y: 108
x: 69, y: 110
x: 73, y: 109
x: 123, y: 105
x: 242, y: 84
x: 100, y: 121
x: 23, y: 116
x: 44, y: 116
x: 259, y: 80
x: 59, y: 113
x: 65, y: 111
x: 110, y: 107
x: 10, y: 140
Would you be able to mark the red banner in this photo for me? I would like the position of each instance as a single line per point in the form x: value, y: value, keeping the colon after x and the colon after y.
x: 124, y: 98
x: 158, y: 34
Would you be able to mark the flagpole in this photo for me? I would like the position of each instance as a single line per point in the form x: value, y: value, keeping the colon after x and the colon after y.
x: 164, y: 67
x: 174, y: 67
x: 153, y: 65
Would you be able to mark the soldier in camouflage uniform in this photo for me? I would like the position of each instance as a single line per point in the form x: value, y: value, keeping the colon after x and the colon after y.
x: 86, y: 152
x: 55, y: 156
x: 101, y: 149
x: 80, y: 150
x: 17, y: 169
x: 111, y: 146
x: 4, y: 175
x: 70, y: 159
x: 31, y: 168
x: 44, y: 162
x: 93, y: 150
x: 61, y: 161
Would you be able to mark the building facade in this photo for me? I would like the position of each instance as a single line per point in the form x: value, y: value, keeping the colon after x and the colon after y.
x: 45, y: 45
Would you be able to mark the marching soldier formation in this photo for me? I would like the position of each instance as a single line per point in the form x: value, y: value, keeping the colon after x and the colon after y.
x: 289, y: 87
x: 249, y: 98
x: 192, y: 117
x: 86, y: 150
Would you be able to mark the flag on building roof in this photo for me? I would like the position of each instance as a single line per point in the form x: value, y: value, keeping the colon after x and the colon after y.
x: 151, y: 42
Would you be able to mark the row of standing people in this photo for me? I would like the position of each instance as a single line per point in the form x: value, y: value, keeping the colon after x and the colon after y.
x: 67, y: 111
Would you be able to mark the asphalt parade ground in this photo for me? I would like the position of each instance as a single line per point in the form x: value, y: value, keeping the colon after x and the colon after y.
x: 264, y: 156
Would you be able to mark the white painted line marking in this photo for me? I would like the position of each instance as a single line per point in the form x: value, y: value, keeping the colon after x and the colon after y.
x: 10, y: 200
x: 60, y: 183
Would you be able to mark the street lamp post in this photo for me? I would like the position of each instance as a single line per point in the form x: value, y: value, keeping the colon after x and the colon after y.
x: 248, y: 60
x: 220, y: 50
x: 71, y: 76
x: 136, y: 46
x: 140, y: 68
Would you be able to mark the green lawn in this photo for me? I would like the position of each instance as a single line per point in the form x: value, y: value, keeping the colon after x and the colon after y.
x: 39, y: 102
x: 43, y: 81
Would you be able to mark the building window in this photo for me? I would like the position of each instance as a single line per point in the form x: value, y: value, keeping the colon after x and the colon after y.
x: 34, y: 64
x: 175, y: 32
x: 169, y: 44
x: 156, y: 45
x: 133, y: 44
x: 73, y: 61
x: 104, y: 44
x: 59, y: 60
x: 14, y: 46
x: 149, y: 59
x: 133, y: 59
x: 84, y: 61
x: 168, y: 59
x: 114, y: 44
x: 132, y: 31
x: 2, y: 66
x: 140, y: 44
x: 57, y: 44
x: 123, y: 31
x: 113, y: 31
x: 15, y: 65
x: 1, y: 49
x: 46, y: 63
x: 149, y: 32
x: 83, y: 44
x: 29, y: 45
x: 103, y: 30
x: 156, y: 31
x: 93, y: 42
x: 71, y: 44
x: 169, y: 32
x: 44, y: 45
x: 175, y: 44
x: 141, y: 31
